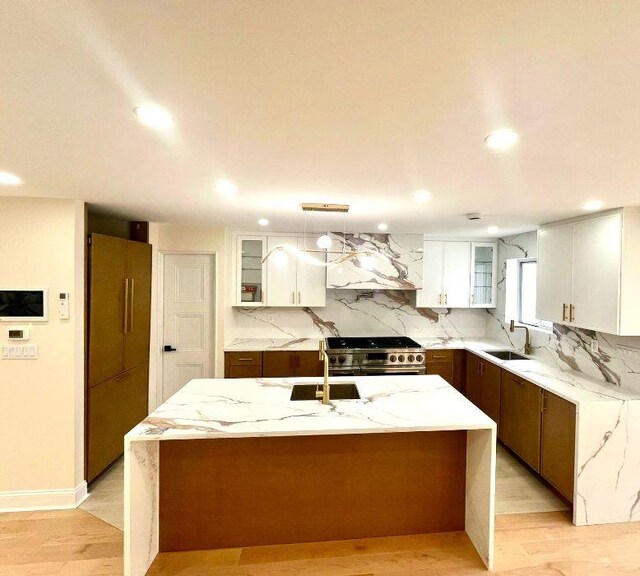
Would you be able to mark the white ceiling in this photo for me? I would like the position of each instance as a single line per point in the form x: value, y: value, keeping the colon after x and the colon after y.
x: 320, y: 100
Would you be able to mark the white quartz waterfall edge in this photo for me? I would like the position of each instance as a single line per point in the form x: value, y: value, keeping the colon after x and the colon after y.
x: 210, y: 409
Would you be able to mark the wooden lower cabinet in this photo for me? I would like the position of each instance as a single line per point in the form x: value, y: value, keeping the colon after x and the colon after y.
x: 272, y: 364
x: 483, y: 385
x: 278, y: 364
x: 114, y: 407
x: 443, y: 369
x: 243, y: 364
x: 520, y: 414
x: 449, y: 364
x: 558, y: 443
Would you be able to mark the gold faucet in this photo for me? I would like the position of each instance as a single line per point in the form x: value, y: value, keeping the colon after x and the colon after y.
x: 325, y: 394
x: 527, y: 341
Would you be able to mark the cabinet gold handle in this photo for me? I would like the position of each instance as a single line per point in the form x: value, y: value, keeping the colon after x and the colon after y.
x: 572, y: 310
x: 544, y: 403
x: 445, y: 298
x: 293, y: 297
x: 438, y: 356
x: 245, y: 359
x: 125, y: 320
x: 473, y: 297
x: 131, y: 296
x: 564, y: 312
x: 299, y: 298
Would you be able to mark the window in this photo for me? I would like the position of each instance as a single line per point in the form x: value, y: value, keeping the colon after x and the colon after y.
x: 521, y: 293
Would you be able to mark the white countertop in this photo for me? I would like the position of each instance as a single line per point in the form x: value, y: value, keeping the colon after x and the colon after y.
x: 227, y: 408
x: 568, y: 384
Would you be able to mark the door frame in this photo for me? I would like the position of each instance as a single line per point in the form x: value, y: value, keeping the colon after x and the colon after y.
x: 158, y: 354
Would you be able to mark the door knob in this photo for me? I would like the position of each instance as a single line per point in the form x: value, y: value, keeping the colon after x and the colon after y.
x: 169, y: 348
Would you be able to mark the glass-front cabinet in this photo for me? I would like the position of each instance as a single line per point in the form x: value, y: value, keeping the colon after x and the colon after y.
x: 250, y: 271
x: 484, y: 268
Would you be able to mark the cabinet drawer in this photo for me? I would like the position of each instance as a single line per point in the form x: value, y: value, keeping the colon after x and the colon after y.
x: 244, y: 372
x: 244, y: 358
x: 114, y: 407
x: 438, y: 356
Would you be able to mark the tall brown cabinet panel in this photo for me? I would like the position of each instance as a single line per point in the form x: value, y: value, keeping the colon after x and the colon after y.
x: 119, y: 318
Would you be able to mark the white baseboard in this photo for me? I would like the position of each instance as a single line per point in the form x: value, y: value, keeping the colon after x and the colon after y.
x: 43, y: 499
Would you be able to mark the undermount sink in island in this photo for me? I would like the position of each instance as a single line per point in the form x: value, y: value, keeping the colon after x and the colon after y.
x: 232, y: 463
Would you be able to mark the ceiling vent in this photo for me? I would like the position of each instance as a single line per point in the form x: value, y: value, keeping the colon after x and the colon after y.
x: 474, y: 216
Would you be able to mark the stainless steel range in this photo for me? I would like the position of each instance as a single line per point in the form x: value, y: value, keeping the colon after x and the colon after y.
x: 371, y: 356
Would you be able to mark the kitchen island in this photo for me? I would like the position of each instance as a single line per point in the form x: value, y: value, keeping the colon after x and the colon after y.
x: 229, y: 463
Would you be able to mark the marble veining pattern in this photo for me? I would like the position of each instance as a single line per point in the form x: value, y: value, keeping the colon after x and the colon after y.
x: 261, y: 407
x: 348, y: 313
x: 394, y: 261
x: 617, y: 362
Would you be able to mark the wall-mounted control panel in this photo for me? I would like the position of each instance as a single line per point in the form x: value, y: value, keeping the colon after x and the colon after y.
x: 63, y: 305
x: 18, y: 333
x: 24, y: 352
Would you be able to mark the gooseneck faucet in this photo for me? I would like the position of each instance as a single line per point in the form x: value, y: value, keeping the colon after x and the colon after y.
x: 325, y: 394
x: 527, y: 341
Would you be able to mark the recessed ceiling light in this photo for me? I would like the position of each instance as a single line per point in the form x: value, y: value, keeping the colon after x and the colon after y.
x: 422, y: 196
x: 382, y: 226
x: 225, y: 187
x: 502, y: 139
x: 592, y: 205
x: 154, y: 116
x: 9, y: 179
x: 493, y: 229
x: 263, y: 222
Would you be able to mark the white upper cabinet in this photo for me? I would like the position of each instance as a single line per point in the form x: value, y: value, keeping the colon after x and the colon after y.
x: 250, y: 271
x: 457, y: 270
x: 457, y: 273
x: 589, y: 272
x: 555, y: 273
x: 285, y: 278
x: 484, y: 271
x: 311, y: 280
x: 282, y: 267
x: 386, y: 261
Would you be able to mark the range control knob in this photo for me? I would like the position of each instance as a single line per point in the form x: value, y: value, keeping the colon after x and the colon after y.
x: 419, y: 358
x: 411, y: 358
x: 401, y: 358
x: 341, y: 359
x: 393, y: 358
x: 332, y: 359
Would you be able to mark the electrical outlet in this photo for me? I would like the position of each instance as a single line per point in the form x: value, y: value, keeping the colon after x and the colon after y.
x: 594, y: 345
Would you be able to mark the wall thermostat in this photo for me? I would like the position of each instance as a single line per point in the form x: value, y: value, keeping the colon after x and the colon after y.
x: 18, y: 333
x: 64, y: 305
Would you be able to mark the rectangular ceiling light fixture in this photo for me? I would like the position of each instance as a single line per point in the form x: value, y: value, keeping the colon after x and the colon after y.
x: 342, y: 208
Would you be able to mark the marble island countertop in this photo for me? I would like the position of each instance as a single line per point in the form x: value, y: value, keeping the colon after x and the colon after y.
x: 569, y: 384
x: 219, y: 408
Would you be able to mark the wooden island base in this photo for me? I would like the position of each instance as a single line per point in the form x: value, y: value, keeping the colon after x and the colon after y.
x: 225, y: 493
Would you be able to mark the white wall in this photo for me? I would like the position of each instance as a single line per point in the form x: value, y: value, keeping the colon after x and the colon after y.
x: 42, y: 401
x: 167, y: 238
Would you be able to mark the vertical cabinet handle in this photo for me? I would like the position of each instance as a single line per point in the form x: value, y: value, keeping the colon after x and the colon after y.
x: 445, y: 298
x: 473, y: 298
x: 293, y: 297
x: 299, y: 298
x: 131, y: 306
x: 564, y: 311
x: 125, y: 322
x: 572, y: 310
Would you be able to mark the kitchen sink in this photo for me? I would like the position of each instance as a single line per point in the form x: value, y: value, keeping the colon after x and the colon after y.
x: 507, y: 355
x: 342, y: 391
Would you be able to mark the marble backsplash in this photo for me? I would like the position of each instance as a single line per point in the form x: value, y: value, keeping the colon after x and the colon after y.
x: 617, y: 361
x: 347, y: 313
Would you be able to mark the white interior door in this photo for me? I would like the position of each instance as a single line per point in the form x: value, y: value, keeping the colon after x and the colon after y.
x: 457, y: 272
x: 188, y: 320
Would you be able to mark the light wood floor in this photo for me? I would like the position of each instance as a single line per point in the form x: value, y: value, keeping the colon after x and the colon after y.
x: 75, y: 543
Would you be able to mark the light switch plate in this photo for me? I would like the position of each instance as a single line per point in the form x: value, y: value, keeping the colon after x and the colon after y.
x: 24, y: 352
